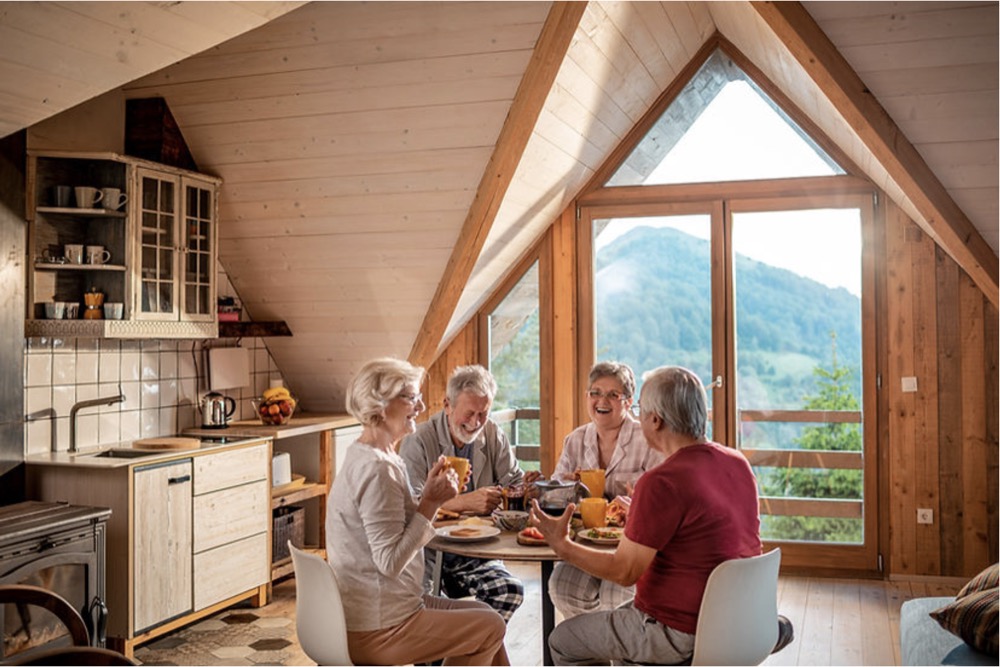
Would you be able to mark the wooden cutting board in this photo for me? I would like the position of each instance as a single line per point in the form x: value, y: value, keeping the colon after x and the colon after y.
x: 167, y: 443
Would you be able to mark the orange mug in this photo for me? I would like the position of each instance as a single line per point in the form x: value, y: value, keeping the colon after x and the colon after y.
x: 594, y: 481
x: 594, y: 512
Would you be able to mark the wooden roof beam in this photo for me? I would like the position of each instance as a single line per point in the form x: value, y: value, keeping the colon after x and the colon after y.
x: 942, y: 217
x: 539, y: 77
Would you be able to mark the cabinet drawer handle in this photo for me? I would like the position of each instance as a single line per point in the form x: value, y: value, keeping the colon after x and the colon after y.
x: 179, y: 480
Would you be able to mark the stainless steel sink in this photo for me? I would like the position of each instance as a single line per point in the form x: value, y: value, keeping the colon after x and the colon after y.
x: 122, y: 454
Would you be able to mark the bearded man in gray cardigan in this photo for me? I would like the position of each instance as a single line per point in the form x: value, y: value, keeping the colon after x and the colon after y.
x: 463, y: 428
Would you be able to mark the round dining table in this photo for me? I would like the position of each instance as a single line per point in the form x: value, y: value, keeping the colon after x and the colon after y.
x: 505, y: 547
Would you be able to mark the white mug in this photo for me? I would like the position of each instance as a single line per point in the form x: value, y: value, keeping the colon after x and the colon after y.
x: 87, y: 197
x: 113, y: 198
x: 73, y: 253
x: 96, y: 254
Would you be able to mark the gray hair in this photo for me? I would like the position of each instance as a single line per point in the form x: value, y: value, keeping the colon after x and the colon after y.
x: 678, y: 397
x: 378, y: 382
x: 473, y: 379
x: 617, y: 370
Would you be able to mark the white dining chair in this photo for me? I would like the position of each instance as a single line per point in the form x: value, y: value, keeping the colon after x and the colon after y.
x: 319, y: 610
x: 738, y: 619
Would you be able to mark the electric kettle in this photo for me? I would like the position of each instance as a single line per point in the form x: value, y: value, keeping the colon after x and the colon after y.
x: 216, y: 410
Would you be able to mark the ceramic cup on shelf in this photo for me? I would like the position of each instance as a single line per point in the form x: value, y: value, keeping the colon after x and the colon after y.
x: 113, y: 198
x: 55, y: 310
x: 96, y: 254
x: 62, y: 196
x: 72, y: 311
x: 114, y: 310
x: 87, y: 197
x: 73, y: 252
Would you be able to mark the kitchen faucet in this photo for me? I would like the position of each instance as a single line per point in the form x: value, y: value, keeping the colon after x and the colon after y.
x: 107, y: 400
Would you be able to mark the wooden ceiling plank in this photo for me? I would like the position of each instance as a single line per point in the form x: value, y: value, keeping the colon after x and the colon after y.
x: 939, y: 216
x: 539, y: 77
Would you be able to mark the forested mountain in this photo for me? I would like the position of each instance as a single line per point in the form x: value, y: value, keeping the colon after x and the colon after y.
x: 653, y: 308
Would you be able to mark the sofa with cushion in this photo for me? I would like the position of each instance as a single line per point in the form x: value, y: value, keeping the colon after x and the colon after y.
x: 960, y: 630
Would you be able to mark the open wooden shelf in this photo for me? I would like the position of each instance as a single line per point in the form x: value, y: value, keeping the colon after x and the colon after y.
x: 298, y: 494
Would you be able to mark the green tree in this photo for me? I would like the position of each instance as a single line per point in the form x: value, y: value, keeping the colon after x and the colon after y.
x: 834, y: 393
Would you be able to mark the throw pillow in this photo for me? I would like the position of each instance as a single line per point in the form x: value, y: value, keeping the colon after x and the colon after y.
x: 972, y: 617
x: 985, y: 580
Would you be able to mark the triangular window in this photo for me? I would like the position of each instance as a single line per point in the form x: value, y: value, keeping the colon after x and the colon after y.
x: 723, y: 127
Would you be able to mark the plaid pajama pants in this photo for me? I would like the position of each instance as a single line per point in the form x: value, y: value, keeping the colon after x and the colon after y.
x: 486, y: 580
x: 574, y: 592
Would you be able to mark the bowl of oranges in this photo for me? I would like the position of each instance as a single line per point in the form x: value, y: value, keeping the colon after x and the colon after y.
x: 275, y: 407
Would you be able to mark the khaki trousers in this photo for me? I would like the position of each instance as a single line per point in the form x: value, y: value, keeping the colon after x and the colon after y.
x: 463, y: 632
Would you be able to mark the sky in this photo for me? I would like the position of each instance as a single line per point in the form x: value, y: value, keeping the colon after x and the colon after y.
x: 739, y: 137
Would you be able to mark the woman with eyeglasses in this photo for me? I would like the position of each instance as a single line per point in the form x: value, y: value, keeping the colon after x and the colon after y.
x: 612, y: 442
x: 376, y: 531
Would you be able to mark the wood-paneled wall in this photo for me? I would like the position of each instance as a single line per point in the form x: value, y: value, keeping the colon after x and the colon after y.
x: 942, y: 439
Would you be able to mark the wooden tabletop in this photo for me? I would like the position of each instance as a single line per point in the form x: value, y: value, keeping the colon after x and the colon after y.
x: 503, y: 547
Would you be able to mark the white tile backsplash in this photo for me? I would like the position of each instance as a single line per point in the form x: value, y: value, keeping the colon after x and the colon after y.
x: 161, y: 381
x: 63, y: 367
x: 86, y: 367
x: 38, y: 370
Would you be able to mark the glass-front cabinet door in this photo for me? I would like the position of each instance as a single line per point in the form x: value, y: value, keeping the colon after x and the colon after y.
x: 158, y: 245
x: 177, y: 217
x: 199, y: 233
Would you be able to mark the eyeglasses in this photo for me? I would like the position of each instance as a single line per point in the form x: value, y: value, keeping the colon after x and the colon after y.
x: 412, y: 398
x: 612, y: 395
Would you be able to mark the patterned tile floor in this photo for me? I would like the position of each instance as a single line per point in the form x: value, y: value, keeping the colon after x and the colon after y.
x: 240, y: 635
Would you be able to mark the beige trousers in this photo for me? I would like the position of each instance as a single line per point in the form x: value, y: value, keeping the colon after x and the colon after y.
x: 463, y: 632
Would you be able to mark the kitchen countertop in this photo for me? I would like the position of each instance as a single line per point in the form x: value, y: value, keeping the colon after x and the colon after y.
x: 301, y: 423
x: 86, y: 458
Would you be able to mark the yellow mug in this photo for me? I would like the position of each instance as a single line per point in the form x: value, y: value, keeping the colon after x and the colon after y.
x: 460, y: 465
x: 594, y: 512
x: 594, y: 481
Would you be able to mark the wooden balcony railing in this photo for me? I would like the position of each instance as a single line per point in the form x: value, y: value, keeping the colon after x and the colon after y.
x: 759, y: 458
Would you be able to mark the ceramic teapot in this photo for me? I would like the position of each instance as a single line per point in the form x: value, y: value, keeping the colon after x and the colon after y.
x: 554, y: 496
x: 216, y: 410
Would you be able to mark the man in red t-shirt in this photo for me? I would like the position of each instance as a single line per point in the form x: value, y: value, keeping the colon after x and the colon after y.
x: 693, y: 511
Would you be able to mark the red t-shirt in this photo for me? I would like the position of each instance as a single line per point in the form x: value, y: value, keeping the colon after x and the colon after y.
x: 697, y: 509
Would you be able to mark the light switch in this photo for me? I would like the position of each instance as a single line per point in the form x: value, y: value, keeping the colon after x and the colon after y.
x: 909, y: 385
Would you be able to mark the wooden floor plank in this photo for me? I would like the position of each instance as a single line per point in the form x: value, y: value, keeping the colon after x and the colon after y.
x: 817, y: 630
x: 845, y: 648
x: 878, y: 645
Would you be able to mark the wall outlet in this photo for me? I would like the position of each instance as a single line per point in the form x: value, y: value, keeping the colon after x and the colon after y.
x: 909, y: 385
x: 925, y: 516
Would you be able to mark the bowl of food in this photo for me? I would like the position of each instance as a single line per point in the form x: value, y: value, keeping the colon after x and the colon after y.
x: 511, y: 520
x: 275, y: 407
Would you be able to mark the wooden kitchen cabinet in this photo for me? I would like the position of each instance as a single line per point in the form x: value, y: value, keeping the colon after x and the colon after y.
x: 162, y: 246
x: 189, y: 532
x: 163, y: 563
x: 321, y: 432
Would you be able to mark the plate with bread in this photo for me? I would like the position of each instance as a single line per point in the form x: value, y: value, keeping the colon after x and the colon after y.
x: 467, y: 532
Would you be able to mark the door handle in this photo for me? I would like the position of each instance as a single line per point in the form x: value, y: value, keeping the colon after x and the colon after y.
x: 179, y: 480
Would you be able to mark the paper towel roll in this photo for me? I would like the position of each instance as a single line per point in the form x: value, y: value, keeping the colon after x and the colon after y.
x: 281, y: 469
x: 228, y: 368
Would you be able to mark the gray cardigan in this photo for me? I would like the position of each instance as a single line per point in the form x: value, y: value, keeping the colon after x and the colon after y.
x: 493, y: 460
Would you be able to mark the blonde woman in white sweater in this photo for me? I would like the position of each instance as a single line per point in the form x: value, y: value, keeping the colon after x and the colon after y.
x: 376, y: 531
